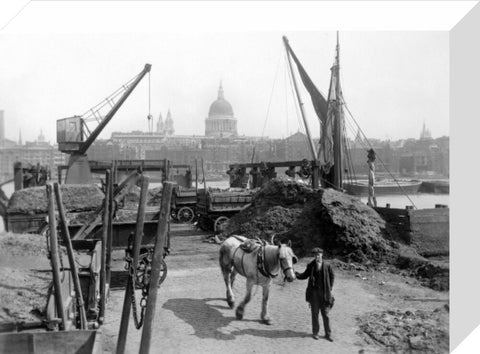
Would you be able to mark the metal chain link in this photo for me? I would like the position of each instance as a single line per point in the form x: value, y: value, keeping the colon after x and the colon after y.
x: 138, y: 275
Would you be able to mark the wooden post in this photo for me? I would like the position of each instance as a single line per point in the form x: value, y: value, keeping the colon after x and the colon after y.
x: 71, y: 257
x: 127, y: 303
x: 315, y: 174
x: 103, y: 258
x: 196, y: 176
x: 59, y: 174
x: 156, y: 268
x: 110, y: 227
x: 18, y: 176
x: 54, y: 259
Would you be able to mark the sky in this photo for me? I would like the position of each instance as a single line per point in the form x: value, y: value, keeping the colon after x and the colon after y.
x: 393, y: 81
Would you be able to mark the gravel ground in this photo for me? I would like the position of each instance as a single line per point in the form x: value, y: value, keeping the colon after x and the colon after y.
x: 193, y: 317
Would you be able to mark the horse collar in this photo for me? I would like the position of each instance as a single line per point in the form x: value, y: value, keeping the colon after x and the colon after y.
x: 261, y: 265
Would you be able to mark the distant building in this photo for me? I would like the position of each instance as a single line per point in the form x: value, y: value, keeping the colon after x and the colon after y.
x: 33, y: 153
x: 221, y: 145
x: 221, y: 121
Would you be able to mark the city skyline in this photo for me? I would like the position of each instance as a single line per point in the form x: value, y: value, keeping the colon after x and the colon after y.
x: 393, y: 81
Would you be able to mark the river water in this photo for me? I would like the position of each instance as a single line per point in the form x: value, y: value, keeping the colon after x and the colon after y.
x: 420, y: 201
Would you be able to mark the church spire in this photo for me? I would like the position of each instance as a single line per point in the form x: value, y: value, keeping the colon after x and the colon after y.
x: 220, y: 91
x: 160, y: 125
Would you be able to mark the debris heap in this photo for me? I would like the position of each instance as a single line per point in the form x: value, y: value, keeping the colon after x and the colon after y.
x: 407, y: 331
x: 25, y: 284
x: 342, y: 225
x: 75, y: 197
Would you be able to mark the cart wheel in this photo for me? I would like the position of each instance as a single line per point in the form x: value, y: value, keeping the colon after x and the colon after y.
x: 185, y: 215
x: 220, y: 224
x: 143, y: 275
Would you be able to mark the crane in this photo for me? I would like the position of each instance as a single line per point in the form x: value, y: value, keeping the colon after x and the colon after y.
x: 74, y: 136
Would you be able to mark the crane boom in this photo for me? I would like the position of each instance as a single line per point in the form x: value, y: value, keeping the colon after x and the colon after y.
x: 75, y: 138
x: 84, y: 147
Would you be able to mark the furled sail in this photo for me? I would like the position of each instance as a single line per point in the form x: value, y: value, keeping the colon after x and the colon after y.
x: 319, y: 102
x: 331, y: 115
x: 331, y: 140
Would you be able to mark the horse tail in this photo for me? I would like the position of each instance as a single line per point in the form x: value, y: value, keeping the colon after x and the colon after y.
x: 224, y: 258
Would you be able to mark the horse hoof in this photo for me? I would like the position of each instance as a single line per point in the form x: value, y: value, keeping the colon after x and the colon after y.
x: 231, y: 304
x: 239, y: 315
x: 267, y: 321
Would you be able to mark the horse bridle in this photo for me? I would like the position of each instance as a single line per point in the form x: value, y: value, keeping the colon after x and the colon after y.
x: 287, y: 268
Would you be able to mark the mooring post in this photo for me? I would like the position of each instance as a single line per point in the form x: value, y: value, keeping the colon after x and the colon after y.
x: 103, y: 258
x: 54, y: 259
x: 156, y: 267
x: 127, y: 303
x: 111, y: 211
x: 71, y: 257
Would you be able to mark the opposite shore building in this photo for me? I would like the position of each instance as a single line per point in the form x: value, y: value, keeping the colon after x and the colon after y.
x: 223, y: 145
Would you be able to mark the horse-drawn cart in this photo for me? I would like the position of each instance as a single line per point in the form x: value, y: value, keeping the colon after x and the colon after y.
x: 215, y: 206
x: 184, y: 201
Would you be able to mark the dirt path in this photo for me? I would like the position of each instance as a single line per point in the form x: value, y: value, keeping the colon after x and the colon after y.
x: 192, y: 316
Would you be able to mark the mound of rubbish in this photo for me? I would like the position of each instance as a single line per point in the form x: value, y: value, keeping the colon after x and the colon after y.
x: 25, y: 283
x: 406, y: 331
x: 22, y: 245
x: 132, y: 198
x: 75, y: 197
x: 340, y: 224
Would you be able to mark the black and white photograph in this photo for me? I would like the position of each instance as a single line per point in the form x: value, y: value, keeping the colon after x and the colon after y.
x: 234, y: 177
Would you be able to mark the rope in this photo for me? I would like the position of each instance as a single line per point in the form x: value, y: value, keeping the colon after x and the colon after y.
x: 378, y: 157
x: 271, y: 95
x: 296, y: 104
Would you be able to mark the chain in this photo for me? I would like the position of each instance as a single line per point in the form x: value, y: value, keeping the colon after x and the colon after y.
x: 138, y: 275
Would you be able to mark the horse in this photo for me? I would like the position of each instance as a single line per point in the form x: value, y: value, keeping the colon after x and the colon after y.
x: 259, y: 266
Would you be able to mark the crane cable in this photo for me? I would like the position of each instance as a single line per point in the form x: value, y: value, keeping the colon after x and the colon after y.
x: 268, y: 107
x: 149, y: 117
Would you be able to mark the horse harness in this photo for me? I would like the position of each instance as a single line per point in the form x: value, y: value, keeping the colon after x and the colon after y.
x: 261, y: 264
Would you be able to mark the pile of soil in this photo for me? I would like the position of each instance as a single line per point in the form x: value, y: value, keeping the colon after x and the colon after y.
x: 154, y: 197
x: 434, y: 274
x: 397, y: 331
x: 25, y: 285
x: 342, y: 225
x: 75, y: 197
x: 22, y: 245
x: 24, y: 294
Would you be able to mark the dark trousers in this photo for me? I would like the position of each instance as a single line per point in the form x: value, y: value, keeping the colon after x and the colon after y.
x: 316, y: 307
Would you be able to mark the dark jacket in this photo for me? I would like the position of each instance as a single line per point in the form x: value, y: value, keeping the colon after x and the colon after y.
x: 322, y: 279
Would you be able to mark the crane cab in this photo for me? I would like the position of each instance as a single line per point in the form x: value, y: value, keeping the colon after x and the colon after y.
x: 70, y: 134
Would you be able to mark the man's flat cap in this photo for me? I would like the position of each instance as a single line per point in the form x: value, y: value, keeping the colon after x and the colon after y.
x: 317, y: 250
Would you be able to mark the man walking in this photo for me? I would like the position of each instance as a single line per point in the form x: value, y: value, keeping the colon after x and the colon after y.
x: 319, y: 291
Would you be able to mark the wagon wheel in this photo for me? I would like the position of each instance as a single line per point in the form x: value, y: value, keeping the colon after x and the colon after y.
x: 220, y: 224
x: 185, y: 215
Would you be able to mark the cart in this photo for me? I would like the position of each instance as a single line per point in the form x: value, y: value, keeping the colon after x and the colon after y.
x: 215, y: 206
